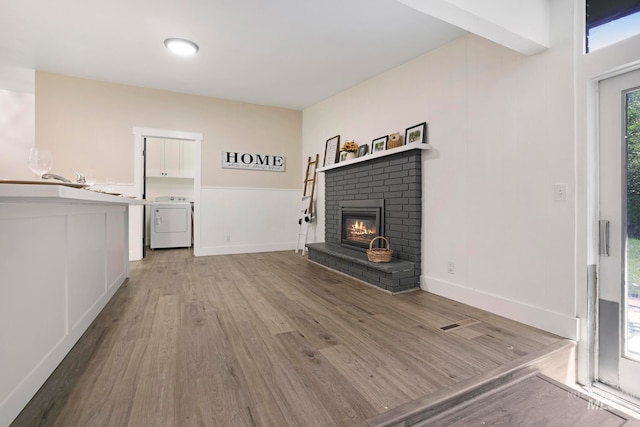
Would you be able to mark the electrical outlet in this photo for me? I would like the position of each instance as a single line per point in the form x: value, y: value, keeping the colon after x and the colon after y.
x: 228, y: 238
x: 451, y: 267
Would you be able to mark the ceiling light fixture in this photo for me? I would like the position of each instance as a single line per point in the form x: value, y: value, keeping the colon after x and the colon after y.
x: 181, y: 46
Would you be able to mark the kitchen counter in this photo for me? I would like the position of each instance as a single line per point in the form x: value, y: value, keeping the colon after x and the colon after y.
x: 63, y: 255
x: 51, y: 191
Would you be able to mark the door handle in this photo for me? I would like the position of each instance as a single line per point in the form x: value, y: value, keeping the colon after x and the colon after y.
x: 603, y: 245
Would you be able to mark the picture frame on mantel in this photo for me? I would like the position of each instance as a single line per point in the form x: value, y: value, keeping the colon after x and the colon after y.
x: 416, y: 134
x: 332, y: 151
x: 363, y: 150
x: 379, y: 144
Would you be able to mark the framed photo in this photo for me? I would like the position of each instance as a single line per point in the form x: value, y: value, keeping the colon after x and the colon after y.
x: 379, y: 144
x: 363, y: 150
x: 417, y: 133
x: 343, y: 156
x: 332, y: 151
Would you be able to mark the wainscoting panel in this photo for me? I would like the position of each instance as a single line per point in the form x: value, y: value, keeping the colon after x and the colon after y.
x: 247, y: 220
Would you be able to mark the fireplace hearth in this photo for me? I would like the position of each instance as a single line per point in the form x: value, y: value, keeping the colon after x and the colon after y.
x: 360, y: 222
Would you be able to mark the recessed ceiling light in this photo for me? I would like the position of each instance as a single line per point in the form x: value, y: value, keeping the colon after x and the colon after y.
x: 181, y: 46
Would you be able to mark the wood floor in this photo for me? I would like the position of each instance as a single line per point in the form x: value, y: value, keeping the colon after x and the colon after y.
x: 271, y: 339
x: 531, y: 400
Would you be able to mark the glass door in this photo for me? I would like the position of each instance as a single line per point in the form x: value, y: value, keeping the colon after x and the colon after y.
x: 619, y: 269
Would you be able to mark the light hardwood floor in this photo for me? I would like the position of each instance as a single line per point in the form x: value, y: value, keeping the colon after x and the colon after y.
x: 271, y: 339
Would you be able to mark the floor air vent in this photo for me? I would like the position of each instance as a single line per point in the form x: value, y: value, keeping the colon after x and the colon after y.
x: 459, y: 324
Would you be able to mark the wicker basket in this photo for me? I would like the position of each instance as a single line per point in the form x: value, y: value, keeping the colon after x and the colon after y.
x: 379, y: 254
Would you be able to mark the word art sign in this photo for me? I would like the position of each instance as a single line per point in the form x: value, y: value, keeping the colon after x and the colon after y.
x: 263, y: 162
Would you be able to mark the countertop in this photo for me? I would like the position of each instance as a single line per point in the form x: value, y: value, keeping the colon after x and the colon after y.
x: 59, y: 193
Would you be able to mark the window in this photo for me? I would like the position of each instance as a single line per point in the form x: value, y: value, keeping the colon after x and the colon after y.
x: 610, y: 21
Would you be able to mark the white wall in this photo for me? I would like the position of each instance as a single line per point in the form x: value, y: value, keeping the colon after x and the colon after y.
x: 502, y: 128
x: 89, y: 124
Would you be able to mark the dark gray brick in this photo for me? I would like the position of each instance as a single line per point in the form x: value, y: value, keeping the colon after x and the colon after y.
x: 395, y: 168
x: 400, y: 160
x: 393, y: 181
x: 398, y: 187
x: 411, y: 179
x: 398, y: 214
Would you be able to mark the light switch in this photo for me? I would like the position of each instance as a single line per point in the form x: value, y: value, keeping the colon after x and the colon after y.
x: 560, y: 192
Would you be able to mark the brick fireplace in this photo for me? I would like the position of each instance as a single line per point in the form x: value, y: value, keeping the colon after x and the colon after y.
x: 393, y: 184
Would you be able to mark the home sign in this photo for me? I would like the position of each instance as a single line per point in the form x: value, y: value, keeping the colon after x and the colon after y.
x: 263, y: 162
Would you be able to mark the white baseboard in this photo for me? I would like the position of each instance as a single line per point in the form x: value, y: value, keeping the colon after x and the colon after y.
x: 556, y: 323
x: 245, y: 249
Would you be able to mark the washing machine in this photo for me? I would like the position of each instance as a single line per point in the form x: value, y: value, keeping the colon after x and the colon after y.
x: 170, y: 222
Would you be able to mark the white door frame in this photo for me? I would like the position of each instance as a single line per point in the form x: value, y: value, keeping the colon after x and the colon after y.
x: 138, y: 170
x: 588, y: 347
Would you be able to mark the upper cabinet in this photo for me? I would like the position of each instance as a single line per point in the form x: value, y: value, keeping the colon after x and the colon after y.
x: 171, y: 158
x: 188, y: 159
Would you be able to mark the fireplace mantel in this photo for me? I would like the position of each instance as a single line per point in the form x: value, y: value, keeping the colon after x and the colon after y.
x: 383, y: 153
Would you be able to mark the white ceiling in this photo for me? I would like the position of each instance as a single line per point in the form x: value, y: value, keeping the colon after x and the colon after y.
x: 288, y: 53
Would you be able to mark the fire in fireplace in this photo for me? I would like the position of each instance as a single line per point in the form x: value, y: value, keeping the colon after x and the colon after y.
x: 361, y: 221
x: 360, y: 230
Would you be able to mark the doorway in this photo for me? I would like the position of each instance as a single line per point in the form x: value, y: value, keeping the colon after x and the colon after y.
x: 168, y: 176
x: 174, y: 139
x: 618, y: 302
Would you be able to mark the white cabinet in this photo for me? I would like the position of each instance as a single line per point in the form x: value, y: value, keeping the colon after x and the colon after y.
x: 171, y: 158
x: 154, y: 157
x: 188, y: 159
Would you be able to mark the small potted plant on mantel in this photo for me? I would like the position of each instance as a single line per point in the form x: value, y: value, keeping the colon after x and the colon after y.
x: 350, y: 147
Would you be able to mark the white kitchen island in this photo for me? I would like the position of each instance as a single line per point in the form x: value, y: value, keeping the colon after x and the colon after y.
x: 63, y: 254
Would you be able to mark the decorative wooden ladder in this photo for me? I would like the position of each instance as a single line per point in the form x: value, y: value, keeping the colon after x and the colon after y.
x: 307, y: 203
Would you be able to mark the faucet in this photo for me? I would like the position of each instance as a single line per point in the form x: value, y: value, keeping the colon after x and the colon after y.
x: 54, y: 176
